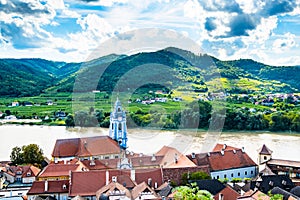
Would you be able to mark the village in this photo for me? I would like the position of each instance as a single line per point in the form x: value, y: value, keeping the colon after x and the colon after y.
x: 102, y: 167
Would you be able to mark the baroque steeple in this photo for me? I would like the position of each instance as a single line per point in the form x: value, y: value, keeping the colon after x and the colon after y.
x: 117, y: 126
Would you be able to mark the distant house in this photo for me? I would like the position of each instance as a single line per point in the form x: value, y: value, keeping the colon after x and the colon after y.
x: 227, y: 164
x: 22, y: 174
x: 177, y: 99
x: 27, y: 103
x: 15, y: 103
x: 57, y: 189
x: 254, y: 195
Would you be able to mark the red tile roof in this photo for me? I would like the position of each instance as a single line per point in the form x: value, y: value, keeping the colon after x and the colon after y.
x: 141, y: 188
x: 55, y: 170
x: 38, y: 187
x: 220, y: 147
x: 169, y: 154
x: 89, y: 182
x: 34, y: 171
x: 83, y: 147
x: 111, y: 188
x: 228, y: 194
x: 265, y: 150
x: 231, y: 159
x: 86, y: 183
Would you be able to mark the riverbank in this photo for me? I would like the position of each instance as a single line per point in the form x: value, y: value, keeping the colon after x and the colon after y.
x: 284, y: 146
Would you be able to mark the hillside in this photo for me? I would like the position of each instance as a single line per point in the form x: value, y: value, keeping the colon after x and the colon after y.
x: 164, y: 69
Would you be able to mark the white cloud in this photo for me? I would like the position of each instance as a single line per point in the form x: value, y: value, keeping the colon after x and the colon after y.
x: 285, y: 43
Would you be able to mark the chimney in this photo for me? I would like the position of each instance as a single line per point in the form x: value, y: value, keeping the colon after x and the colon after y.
x: 222, y: 152
x: 46, y: 186
x: 224, y: 146
x: 150, y: 182
x: 155, y: 185
x: 234, y: 151
x: 85, y: 144
x: 243, y: 149
x: 193, y: 155
x: 176, y: 158
x: 65, y: 162
x: 208, y: 154
x: 107, y: 177
x: 132, y: 174
x: 153, y: 158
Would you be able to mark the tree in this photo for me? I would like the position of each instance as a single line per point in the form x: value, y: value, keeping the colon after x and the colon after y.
x: 33, y: 154
x: 16, y: 156
x: 28, y: 154
x: 192, y: 193
x: 70, y: 121
x: 200, y: 175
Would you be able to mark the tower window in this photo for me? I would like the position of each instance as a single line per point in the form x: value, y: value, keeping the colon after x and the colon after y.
x: 265, y: 157
x: 120, y: 126
x: 119, y: 109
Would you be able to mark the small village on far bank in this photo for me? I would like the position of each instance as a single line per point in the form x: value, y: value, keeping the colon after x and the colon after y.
x: 103, y: 167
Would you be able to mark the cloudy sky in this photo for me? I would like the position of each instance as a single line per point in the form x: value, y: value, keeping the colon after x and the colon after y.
x: 69, y: 30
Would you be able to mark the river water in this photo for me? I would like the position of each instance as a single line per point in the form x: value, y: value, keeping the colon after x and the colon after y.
x: 284, y: 145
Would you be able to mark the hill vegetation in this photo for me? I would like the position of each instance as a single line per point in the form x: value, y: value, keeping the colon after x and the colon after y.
x: 246, y: 86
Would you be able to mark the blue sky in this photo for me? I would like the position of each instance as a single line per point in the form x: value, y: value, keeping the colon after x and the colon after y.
x: 69, y: 30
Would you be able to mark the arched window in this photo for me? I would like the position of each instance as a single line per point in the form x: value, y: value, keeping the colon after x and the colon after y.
x: 119, y: 109
x: 120, y: 126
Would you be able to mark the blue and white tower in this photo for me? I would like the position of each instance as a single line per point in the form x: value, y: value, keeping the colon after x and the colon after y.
x: 117, y: 126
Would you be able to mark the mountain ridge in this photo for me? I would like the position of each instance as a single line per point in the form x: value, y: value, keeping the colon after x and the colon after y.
x: 33, y: 76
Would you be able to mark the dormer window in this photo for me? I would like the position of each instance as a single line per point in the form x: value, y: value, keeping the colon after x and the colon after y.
x: 64, y: 186
x: 28, y: 174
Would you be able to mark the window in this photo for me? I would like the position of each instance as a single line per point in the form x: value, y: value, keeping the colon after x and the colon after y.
x: 251, y: 172
x: 265, y: 157
x: 218, y: 177
x: 120, y: 126
x: 239, y: 174
x: 232, y: 175
x: 246, y: 172
x: 225, y: 176
x: 116, y: 156
x: 106, y: 157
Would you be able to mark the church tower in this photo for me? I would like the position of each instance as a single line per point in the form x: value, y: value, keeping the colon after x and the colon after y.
x: 117, y: 126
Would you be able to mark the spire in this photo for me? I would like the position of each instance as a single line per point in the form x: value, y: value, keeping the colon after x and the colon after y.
x: 117, y: 127
x: 265, y: 150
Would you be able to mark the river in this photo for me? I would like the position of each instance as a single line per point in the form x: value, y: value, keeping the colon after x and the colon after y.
x: 284, y: 145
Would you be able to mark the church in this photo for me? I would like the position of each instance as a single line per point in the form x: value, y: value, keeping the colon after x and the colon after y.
x: 99, y: 147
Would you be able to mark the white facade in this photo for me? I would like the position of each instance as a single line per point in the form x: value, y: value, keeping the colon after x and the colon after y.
x: 245, y: 172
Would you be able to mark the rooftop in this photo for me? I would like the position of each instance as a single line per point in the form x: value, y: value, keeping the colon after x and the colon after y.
x: 84, y: 147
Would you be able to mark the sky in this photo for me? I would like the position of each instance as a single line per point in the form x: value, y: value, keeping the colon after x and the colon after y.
x: 267, y: 31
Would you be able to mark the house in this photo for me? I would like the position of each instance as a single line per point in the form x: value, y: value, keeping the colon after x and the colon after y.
x: 15, y: 103
x: 87, y: 183
x: 217, y: 189
x: 143, y: 191
x: 114, y: 190
x: 59, y: 171
x: 268, y: 182
x: 278, y: 166
x: 57, y: 189
x: 99, y: 147
x: 22, y: 174
x: 227, y: 164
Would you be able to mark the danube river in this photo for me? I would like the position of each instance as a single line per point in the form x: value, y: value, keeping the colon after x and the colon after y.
x: 284, y: 145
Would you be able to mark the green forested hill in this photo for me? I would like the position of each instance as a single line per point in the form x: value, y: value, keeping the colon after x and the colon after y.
x: 185, y: 71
